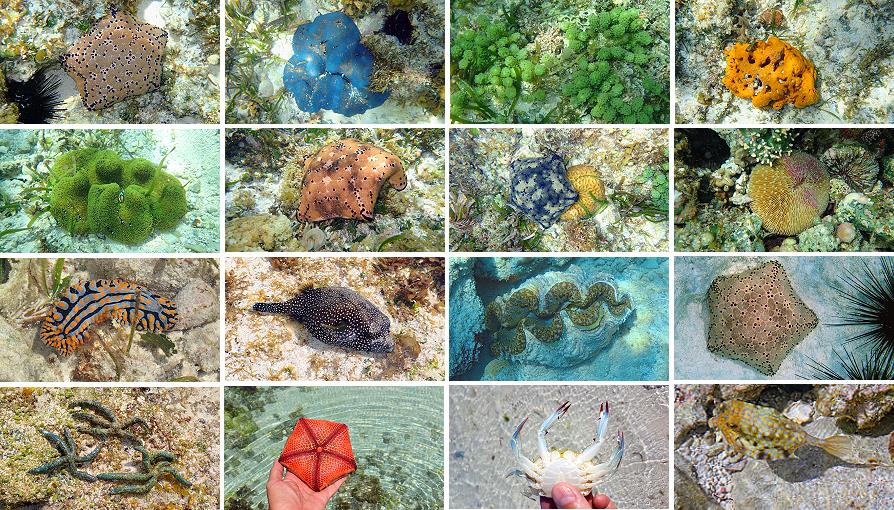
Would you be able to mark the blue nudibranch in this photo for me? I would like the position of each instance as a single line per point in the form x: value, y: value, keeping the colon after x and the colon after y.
x: 331, y: 69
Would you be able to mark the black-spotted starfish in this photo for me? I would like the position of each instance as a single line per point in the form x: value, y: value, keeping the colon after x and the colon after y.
x: 155, y: 465
x: 68, y: 456
x: 104, y: 424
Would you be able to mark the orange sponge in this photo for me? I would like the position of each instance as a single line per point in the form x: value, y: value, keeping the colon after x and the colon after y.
x: 770, y: 73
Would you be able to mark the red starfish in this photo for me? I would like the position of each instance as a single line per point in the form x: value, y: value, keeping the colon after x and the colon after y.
x: 319, y: 452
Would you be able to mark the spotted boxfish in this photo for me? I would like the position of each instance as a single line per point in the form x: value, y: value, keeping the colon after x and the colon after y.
x: 92, y: 302
x: 765, y: 433
x: 337, y: 316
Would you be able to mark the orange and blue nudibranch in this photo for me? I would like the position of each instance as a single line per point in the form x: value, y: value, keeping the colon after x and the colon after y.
x: 93, y: 302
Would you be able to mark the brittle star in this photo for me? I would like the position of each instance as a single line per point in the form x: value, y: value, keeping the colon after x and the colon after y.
x: 155, y: 465
x: 104, y: 423
x: 68, y: 456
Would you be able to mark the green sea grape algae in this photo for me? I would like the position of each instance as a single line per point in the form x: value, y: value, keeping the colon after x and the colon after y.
x: 95, y: 191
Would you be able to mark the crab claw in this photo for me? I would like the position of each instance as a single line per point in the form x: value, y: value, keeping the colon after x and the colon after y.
x: 547, y: 423
x: 513, y: 443
x: 594, y: 448
x: 527, y: 467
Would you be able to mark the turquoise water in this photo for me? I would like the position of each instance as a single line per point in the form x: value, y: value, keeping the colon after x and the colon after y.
x: 638, y: 351
x: 397, y: 434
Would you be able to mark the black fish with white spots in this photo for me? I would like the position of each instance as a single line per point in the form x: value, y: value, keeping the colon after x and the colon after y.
x: 337, y: 316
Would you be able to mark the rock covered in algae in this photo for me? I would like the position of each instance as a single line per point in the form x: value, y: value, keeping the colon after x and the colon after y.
x: 865, y: 405
x: 756, y: 317
x: 557, y: 319
x: 772, y: 73
x: 120, y: 57
x: 343, y: 180
x: 790, y: 195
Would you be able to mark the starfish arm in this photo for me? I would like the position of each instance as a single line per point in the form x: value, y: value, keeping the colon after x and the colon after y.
x: 96, y: 407
x: 92, y: 419
x: 71, y: 446
x: 162, y: 456
x: 136, y: 489
x: 82, y: 475
x: 90, y: 456
x: 177, y: 476
x: 48, y: 467
x: 125, y: 477
x: 56, y: 441
x: 135, y: 421
x: 97, y: 432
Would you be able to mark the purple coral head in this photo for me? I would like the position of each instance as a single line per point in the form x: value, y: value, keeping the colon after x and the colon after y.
x: 803, y: 167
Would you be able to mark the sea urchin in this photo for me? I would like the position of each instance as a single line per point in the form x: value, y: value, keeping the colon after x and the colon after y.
x: 868, y: 301
x: 37, y: 98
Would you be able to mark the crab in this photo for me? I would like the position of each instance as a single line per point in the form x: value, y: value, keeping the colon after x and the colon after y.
x: 554, y: 466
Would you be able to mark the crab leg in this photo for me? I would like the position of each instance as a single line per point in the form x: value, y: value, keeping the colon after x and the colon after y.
x: 527, y: 466
x: 591, y: 452
x: 604, y: 471
x: 547, y: 423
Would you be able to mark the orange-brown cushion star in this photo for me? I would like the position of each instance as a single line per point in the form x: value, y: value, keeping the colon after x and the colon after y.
x: 319, y: 453
x: 119, y: 57
x: 343, y: 179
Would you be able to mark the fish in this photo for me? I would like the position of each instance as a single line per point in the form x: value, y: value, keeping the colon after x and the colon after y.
x: 765, y: 433
x: 337, y: 316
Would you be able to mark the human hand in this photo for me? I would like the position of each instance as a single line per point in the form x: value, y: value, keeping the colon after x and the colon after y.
x: 567, y: 496
x: 290, y: 493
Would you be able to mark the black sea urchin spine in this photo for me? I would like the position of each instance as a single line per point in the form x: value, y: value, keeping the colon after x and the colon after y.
x: 37, y: 98
x: 868, y: 302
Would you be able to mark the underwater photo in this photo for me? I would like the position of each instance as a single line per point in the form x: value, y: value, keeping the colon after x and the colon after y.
x: 335, y: 319
x: 109, y: 320
x: 110, y: 191
x: 109, y: 448
x: 560, y: 62
x: 558, y: 319
x: 335, y: 61
x: 784, y: 62
x: 805, y: 446
x: 109, y: 62
x: 335, y: 190
x: 379, y: 447
x: 612, y: 439
x: 826, y: 318
x: 786, y: 190
x: 558, y: 190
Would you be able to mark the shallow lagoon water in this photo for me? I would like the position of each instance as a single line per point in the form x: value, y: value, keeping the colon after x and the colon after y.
x: 396, y: 433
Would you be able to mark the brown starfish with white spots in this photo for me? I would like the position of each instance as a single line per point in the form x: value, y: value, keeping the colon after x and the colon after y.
x: 119, y: 57
x: 343, y: 179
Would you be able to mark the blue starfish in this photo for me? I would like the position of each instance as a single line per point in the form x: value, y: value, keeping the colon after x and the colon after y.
x: 68, y: 456
x: 540, y: 189
x: 155, y: 465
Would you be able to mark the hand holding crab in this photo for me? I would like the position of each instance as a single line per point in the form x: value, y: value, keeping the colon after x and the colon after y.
x: 553, y: 467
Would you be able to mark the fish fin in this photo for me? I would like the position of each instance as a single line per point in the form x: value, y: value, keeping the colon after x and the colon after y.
x: 840, y: 446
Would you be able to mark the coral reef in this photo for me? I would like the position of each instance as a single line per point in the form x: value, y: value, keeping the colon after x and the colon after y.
x: 853, y: 163
x: 756, y: 317
x: 118, y: 58
x: 790, y: 195
x: 96, y: 191
x: 358, y: 169
x: 540, y: 188
x: 772, y: 73
x: 590, y: 191
x: 330, y: 68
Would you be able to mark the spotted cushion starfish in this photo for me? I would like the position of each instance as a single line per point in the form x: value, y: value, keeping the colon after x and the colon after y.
x: 155, y: 465
x: 104, y: 423
x: 68, y: 456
